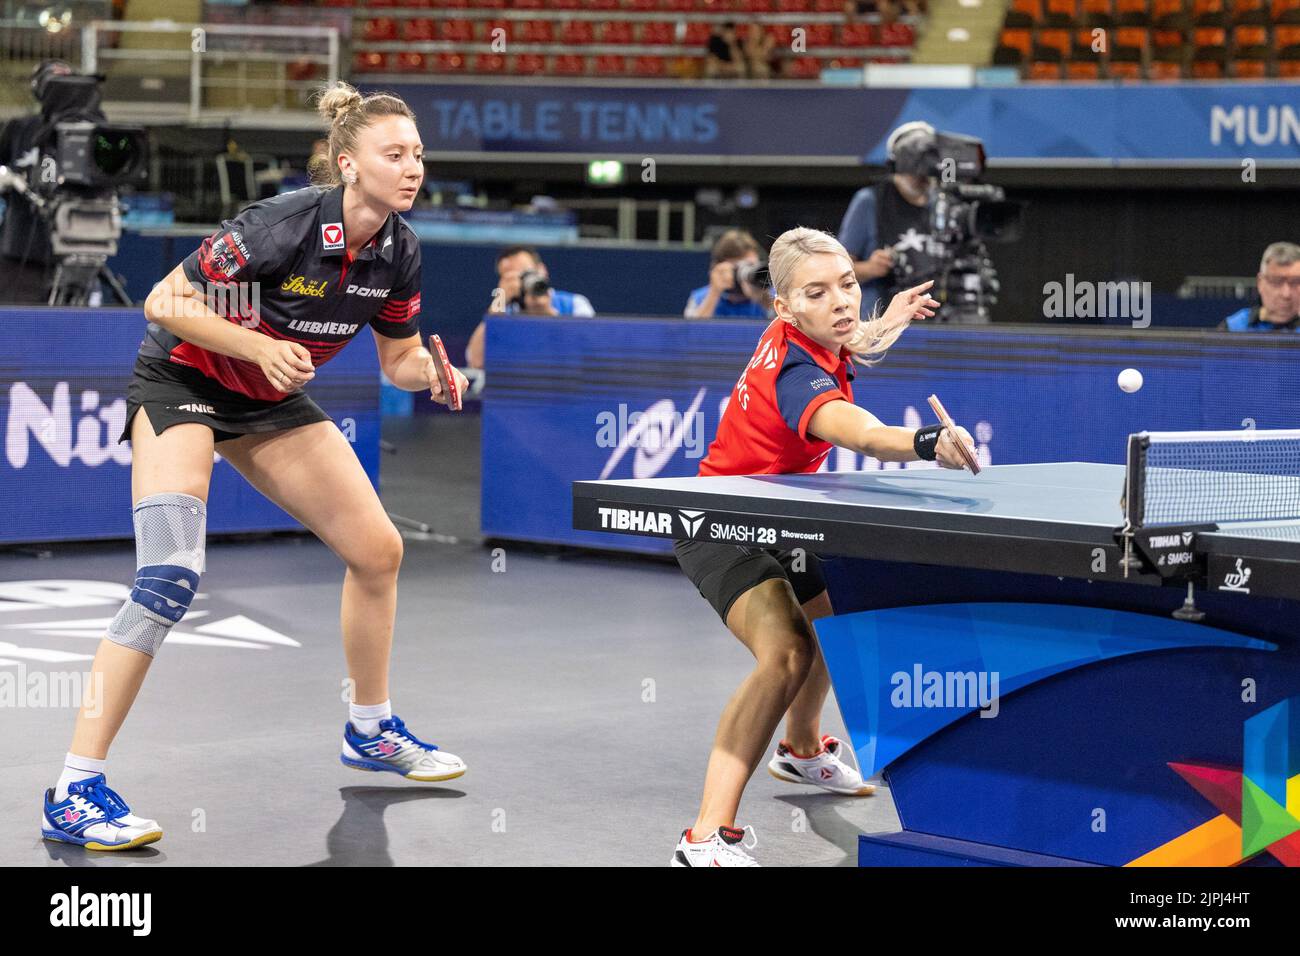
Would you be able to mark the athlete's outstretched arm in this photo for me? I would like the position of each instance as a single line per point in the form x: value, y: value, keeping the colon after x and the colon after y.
x: 848, y: 426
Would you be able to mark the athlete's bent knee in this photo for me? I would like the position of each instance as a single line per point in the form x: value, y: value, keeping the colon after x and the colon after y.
x: 170, y: 532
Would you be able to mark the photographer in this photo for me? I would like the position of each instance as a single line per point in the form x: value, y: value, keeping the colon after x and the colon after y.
x: 737, y: 287
x: 1278, y: 284
x: 524, y: 287
x: 25, y: 253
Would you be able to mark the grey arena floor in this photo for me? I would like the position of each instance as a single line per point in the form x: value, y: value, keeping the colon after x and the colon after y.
x: 535, y: 675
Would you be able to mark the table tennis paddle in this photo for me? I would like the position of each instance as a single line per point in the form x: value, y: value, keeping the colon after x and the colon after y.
x: 945, y: 420
x: 442, y: 365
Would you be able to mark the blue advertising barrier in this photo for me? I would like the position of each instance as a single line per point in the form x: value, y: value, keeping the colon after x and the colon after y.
x: 570, y: 400
x: 1222, y: 123
x: 63, y: 377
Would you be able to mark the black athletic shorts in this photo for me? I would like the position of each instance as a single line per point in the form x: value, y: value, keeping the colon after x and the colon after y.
x: 173, y: 393
x: 723, y: 572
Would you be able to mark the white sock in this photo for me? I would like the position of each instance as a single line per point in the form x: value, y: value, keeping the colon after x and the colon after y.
x: 366, y: 717
x: 76, y: 768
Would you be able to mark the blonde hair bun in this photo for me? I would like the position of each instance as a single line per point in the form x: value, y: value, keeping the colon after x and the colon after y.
x: 337, y: 101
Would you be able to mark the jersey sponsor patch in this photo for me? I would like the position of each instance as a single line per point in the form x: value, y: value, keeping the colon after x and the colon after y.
x: 367, y: 292
x: 300, y: 285
x: 227, y: 254
x: 331, y: 236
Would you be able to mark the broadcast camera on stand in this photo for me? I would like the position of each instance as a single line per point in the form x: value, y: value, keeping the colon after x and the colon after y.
x: 964, y: 215
x: 71, y: 176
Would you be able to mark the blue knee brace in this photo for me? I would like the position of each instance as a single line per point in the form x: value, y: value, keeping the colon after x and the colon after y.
x: 169, y: 549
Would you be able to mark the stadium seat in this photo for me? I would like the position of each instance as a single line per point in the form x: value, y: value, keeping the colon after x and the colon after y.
x: 803, y: 68
x: 1132, y: 13
x: 607, y: 65
x: 338, y: 3
x: 658, y: 34
x: 649, y: 66
x: 1044, y: 70
x: 1097, y: 13
x: 756, y: 6
x: 458, y: 31
x: 419, y: 30
x: 1286, y: 11
x: 449, y: 63
x: 1250, y: 42
x: 1052, y: 45
x: 782, y: 34
x: 1209, y: 13
x: 566, y: 4
x: 793, y: 6
x: 1169, y: 15
x: 370, y: 61
x: 827, y: 6
x: 858, y: 34
x: 528, y: 64
x: 1288, y: 69
x: 1124, y: 70
x: 379, y: 30
x: 1250, y: 12
x: 577, y: 33
x: 1081, y: 51
x: 1083, y: 70
x: 528, y: 4
x: 1014, y: 47
x: 569, y: 64
x: 697, y: 33
x: 408, y: 61
x: 1024, y: 13
x: 1164, y: 70
x: 616, y: 31
x: 1168, y: 40
x: 1060, y: 14
x: 489, y: 63
x: 1249, y: 69
x: 503, y: 29
x: 643, y: 6
x: 1129, y: 45
x: 1286, y: 41
x: 820, y: 35
x: 537, y: 31
x: 897, y: 34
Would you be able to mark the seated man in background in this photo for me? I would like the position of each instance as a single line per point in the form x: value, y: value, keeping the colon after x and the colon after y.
x: 727, y: 295
x: 1278, y: 283
x: 725, y: 58
x: 524, y: 287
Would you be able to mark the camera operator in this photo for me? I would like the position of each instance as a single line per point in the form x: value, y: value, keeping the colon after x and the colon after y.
x: 930, y: 221
x: 737, y: 281
x: 25, y: 252
x: 524, y: 287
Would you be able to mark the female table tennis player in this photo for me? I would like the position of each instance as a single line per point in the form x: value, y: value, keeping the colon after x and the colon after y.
x: 327, y: 260
x: 793, y: 402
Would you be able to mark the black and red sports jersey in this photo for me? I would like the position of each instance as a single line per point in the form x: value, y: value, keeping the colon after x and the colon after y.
x: 764, y: 430
x: 281, y: 268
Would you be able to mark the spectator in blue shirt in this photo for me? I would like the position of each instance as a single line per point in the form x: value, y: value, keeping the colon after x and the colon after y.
x: 515, y: 265
x: 1278, y: 283
x: 724, y: 297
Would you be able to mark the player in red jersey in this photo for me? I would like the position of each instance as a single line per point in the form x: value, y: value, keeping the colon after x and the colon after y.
x: 237, y: 329
x: 791, y: 405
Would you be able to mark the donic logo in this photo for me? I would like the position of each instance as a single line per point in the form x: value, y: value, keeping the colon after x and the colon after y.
x: 1258, y: 804
x: 691, y: 521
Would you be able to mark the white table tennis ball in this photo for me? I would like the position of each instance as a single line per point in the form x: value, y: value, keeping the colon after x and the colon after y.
x: 1130, y: 380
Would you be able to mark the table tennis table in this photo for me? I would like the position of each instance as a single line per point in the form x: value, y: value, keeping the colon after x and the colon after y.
x: 1145, y: 714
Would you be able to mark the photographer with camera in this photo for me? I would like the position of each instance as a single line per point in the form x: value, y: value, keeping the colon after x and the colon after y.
x: 737, y: 281
x: 930, y: 220
x: 524, y: 287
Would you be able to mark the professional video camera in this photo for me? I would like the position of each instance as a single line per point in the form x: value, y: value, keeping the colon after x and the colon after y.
x: 531, y: 283
x: 71, y: 174
x: 964, y: 215
x: 754, y: 273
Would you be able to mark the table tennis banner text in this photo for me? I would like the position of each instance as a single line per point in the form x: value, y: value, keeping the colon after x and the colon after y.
x: 1218, y: 123
x: 574, y: 400
x: 63, y: 378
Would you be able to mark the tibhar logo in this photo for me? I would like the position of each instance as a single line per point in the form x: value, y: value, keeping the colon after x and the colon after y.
x: 1172, y: 540
x: 647, y: 522
x: 1236, y: 579
x: 947, y: 689
x: 74, y: 908
x: 51, y: 426
x: 656, y: 434
x: 691, y: 521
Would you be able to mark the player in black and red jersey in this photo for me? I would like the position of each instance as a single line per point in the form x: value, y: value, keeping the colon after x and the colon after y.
x: 791, y: 405
x: 236, y: 331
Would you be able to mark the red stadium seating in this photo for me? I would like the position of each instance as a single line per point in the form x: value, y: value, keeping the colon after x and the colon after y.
x: 1060, y: 13
x: 1044, y: 70
x: 820, y: 35
x: 897, y: 34
x: 616, y: 31
x: 419, y: 30
x: 803, y: 68
x: 410, y: 62
x: 503, y: 29
x: 369, y: 61
x: 537, y: 31
x: 697, y: 33
x: 460, y: 31
x: 449, y: 63
x: 858, y: 34
x: 489, y: 63
x: 607, y: 65
x: 528, y: 64
x: 569, y: 65
x: 649, y: 66
x: 379, y: 30
x: 793, y: 6
x: 577, y: 33
x: 658, y: 34
x: 1162, y: 70
x: 1124, y: 70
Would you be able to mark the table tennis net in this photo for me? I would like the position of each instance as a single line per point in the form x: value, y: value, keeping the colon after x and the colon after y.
x: 1213, y: 477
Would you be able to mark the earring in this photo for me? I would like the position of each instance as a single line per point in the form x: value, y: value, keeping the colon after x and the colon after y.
x: 350, y: 178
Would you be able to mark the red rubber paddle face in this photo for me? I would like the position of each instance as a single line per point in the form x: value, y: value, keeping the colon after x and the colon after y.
x: 451, y: 394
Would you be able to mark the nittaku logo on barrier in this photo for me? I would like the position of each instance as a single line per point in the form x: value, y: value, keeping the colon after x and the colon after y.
x: 646, y: 522
x: 75, y: 908
x: 959, y: 690
x: 51, y: 426
x: 657, y: 434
